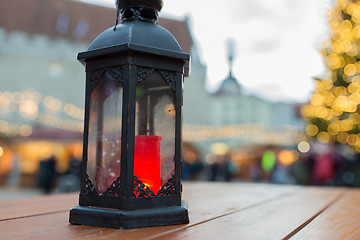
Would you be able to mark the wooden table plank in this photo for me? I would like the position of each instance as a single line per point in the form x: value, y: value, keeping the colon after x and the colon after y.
x: 274, y: 220
x: 10, y: 209
x: 339, y: 221
x: 206, y: 202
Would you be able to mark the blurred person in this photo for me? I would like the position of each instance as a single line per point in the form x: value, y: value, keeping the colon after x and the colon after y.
x: 47, y: 174
x: 255, y: 171
x: 302, y: 169
x: 281, y: 175
x: 214, y: 171
x: 14, y: 176
x: 357, y: 170
x: 222, y: 169
x: 70, y: 181
x: 192, y: 170
x: 327, y: 166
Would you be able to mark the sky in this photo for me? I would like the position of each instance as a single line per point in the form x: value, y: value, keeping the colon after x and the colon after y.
x: 276, y: 42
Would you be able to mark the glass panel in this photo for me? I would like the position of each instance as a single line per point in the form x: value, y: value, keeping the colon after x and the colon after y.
x: 104, y: 147
x: 154, y: 162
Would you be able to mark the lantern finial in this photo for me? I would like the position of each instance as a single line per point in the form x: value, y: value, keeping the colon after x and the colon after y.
x: 144, y: 10
x: 126, y: 4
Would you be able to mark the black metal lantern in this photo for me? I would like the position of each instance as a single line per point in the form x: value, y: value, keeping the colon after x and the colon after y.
x: 132, y: 135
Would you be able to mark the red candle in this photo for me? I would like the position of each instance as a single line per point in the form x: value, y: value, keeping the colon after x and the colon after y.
x: 147, y: 161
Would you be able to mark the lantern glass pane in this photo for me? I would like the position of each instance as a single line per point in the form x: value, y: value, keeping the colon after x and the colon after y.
x: 154, y: 160
x: 104, y: 147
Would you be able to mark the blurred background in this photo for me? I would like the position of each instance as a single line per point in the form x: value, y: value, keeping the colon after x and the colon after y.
x: 273, y: 93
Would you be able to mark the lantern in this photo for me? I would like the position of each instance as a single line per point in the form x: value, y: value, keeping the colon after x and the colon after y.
x: 131, y: 164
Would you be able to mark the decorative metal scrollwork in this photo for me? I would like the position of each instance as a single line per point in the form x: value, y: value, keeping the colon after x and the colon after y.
x: 141, y: 13
x: 142, y: 73
x: 168, y: 189
x: 89, y: 187
x: 116, y: 72
x: 141, y: 190
x: 114, y: 189
x: 95, y: 77
x: 170, y: 78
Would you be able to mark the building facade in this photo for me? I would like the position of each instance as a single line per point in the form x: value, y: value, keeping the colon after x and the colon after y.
x: 43, y: 85
x: 43, y: 88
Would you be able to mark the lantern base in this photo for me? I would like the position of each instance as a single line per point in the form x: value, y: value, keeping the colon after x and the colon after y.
x: 113, y: 218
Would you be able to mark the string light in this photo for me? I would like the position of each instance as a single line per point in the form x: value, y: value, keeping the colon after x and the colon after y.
x: 250, y: 132
x: 29, y: 108
x: 332, y: 112
x: 27, y: 105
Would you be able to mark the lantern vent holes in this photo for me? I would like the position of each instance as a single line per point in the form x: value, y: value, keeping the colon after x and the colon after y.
x: 89, y: 187
x: 147, y: 13
x: 128, y: 14
x: 140, y: 189
x: 138, y: 13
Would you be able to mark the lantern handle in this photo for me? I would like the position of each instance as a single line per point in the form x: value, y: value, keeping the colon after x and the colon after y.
x: 117, y: 14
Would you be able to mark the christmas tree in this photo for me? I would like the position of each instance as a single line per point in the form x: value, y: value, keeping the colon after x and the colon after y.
x: 332, y: 114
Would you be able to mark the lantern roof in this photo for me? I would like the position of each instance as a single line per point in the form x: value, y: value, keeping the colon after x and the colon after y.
x: 141, y: 36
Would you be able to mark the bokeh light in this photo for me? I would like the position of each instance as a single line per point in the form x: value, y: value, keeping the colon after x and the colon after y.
x: 304, y: 147
x: 287, y: 157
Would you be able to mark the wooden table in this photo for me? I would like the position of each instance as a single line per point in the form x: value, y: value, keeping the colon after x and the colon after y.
x: 217, y: 211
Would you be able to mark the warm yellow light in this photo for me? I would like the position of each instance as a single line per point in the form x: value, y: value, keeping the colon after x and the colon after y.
x: 307, y: 110
x: 1, y: 151
x: 25, y: 130
x: 73, y: 111
x: 323, y: 137
x: 5, y: 100
x: 352, y: 139
x: 28, y: 108
x: 357, y: 148
x: 352, y: 51
x: 336, y: 111
x: 329, y: 116
x: 351, y: 8
x: 189, y: 157
x: 333, y: 129
x: 355, y: 97
x: 324, y: 113
x: 353, y: 87
x: 342, y: 137
x: 356, y: 117
x: 356, y: 16
x: 311, y: 130
x: 346, y: 26
x: 340, y: 91
x: 287, y: 157
x: 350, y: 70
x: 317, y: 99
x: 351, y: 107
x: 329, y: 99
x: 326, y: 84
x: 338, y: 47
x: 219, y: 149
x: 52, y: 103
x: 335, y: 61
x: 4, y: 126
x: 342, y: 102
x: 170, y: 110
